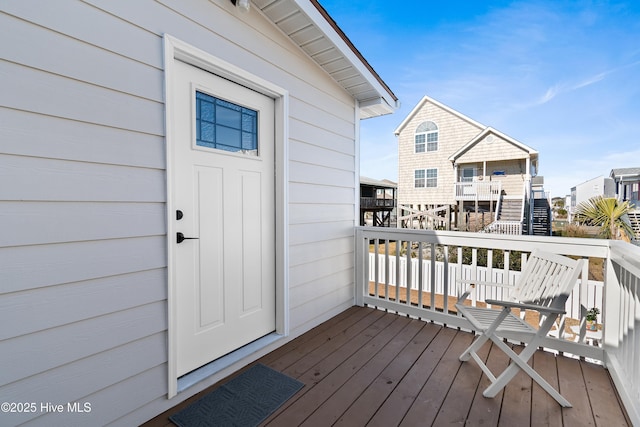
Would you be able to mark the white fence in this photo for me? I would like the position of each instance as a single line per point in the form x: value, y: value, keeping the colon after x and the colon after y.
x: 437, y: 276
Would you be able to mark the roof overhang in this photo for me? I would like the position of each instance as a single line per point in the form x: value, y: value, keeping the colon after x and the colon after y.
x: 310, y: 27
x: 377, y: 183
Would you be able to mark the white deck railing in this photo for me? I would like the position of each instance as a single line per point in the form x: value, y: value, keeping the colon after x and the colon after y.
x: 504, y: 227
x: 622, y: 317
x: 478, y: 190
x: 437, y: 259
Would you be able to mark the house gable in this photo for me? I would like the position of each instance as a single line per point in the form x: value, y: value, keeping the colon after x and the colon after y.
x: 454, y: 130
x: 492, y: 145
x: 426, y: 100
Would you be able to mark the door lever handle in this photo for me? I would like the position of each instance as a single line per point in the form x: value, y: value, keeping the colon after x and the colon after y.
x: 180, y: 238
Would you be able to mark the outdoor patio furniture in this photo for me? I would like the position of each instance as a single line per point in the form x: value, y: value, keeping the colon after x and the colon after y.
x: 543, y: 286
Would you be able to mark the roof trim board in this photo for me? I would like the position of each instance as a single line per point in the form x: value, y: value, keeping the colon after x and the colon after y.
x: 313, y: 30
x: 625, y: 172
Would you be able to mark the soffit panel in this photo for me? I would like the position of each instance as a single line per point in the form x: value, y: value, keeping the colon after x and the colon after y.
x: 290, y: 19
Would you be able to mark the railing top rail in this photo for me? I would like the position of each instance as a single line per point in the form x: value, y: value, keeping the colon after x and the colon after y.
x: 563, y: 245
x: 627, y: 255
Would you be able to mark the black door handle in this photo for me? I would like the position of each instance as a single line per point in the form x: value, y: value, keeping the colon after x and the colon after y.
x: 180, y: 238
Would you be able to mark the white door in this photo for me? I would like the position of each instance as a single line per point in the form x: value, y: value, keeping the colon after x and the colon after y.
x: 223, y: 194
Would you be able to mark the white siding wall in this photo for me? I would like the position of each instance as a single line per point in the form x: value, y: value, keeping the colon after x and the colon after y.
x: 82, y: 194
x: 599, y: 186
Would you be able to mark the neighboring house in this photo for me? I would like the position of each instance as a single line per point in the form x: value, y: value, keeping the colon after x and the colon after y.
x: 128, y: 130
x: 456, y: 168
x: 627, y: 185
x: 599, y: 186
x: 377, y: 202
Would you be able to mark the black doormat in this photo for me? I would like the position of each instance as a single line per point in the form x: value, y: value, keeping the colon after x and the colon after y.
x: 245, y: 401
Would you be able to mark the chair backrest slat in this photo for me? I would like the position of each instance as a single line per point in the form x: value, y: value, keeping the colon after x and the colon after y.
x: 545, y: 278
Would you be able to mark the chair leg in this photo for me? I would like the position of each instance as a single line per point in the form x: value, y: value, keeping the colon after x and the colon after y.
x: 520, y: 363
x: 475, y: 346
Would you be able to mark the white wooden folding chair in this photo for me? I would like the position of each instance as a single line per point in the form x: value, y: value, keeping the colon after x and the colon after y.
x: 544, y: 286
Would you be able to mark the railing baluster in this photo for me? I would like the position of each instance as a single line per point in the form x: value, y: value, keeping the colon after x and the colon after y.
x: 376, y: 263
x: 420, y: 275
x: 445, y: 272
x: 409, y: 272
x: 432, y: 277
x: 386, y: 269
x: 398, y: 283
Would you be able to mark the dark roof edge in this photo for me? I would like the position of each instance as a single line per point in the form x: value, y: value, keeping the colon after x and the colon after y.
x: 355, y: 50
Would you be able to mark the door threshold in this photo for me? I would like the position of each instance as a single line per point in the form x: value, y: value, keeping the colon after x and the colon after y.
x: 212, y: 368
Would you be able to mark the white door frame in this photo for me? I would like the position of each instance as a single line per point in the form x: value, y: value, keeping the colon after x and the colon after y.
x: 175, y: 49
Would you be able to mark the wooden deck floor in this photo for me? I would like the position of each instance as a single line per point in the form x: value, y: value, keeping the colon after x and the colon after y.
x: 368, y: 367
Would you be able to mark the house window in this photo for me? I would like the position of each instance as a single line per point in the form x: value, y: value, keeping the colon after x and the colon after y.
x: 432, y: 177
x: 425, y: 178
x: 419, y: 178
x: 225, y: 126
x: 468, y: 174
x: 426, y: 137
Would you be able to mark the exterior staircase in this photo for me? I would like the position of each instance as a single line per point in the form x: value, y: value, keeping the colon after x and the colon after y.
x: 509, y: 218
x: 541, y: 224
x: 510, y: 210
x: 634, y: 219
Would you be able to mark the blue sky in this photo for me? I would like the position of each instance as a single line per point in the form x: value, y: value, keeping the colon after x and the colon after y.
x: 560, y: 76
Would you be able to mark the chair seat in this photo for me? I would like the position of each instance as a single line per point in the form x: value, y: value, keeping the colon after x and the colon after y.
x: 481, y: 319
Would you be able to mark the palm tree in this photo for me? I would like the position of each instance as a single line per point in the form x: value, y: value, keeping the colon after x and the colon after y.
x: 609, y: 214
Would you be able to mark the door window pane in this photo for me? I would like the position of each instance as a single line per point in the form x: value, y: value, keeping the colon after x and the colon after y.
x: 225, y: 126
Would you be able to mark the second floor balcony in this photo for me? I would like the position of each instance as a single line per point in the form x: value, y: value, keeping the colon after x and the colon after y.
x: 376, y: 202
x: 480, y: 191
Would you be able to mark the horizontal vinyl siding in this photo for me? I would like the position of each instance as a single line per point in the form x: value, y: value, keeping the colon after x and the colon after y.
x: 83, y: 255
x: 38, y: 91
x: 37, y: 135
x: 79, y: 301
x: 47, y: 222
x: 322, y: 205
x: 78, y: 340
x: 40, y: 179
x: 82, y: 144
x: 39, y: 266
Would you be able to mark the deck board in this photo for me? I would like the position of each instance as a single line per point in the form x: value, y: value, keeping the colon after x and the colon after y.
x: 516, y: 401
x: 369, y: 367
x: 544, y: 409
x: 426, y: 406
x: 572, y: 387
x: 486, y: 412
x: 605, y: 406
x: 394, y: 408
x: 367, y: 404
x: 344, y: 401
